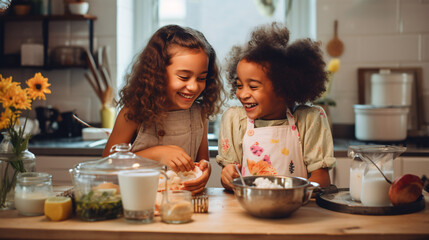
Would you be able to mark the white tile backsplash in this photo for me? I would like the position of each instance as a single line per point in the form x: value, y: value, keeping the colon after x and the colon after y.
x: 79, y: 29
x: 354, y: 17
x: 425, y: 48
x: 388, y: 48
x: 105, y: 10
x: 343, y: 113
x: 59, y: 29
x: 380, y: 33
x: 414, y: 16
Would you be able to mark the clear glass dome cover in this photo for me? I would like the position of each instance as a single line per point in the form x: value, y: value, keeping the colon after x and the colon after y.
x: 122, y: 159
x: 360, y: 150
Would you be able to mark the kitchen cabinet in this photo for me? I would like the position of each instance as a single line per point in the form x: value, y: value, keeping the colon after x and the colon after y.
x: 13, y: 60
x: 418, y: 166
x: 59, y: 167
x: 415, y: 165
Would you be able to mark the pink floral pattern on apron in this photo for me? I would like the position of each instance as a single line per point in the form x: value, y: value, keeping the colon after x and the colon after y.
x: 274, y: 150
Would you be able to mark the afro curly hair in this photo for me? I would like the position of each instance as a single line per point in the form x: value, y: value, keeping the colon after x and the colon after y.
x: 296, y: 70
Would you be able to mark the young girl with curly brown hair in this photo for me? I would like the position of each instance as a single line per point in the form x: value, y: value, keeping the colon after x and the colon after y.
x: 173, y: 88
x: 275, y: 132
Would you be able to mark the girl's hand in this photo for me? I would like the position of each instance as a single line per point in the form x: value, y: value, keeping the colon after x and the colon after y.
x: 175, y: 157
x: 229, y: 173
x: 198, y: 185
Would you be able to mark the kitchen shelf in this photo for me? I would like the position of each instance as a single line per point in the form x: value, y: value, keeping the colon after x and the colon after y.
x: 45, y: 19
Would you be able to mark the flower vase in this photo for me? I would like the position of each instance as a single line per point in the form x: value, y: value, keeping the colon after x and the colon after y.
x: 10, y: 166
x: 108, y: 115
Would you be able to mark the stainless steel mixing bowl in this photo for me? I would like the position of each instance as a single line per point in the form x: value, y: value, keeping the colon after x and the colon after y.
x: 273, y: 202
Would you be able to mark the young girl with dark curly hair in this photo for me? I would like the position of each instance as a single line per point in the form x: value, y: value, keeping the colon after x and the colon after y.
x: 275, y: 132
x: 173, y: 88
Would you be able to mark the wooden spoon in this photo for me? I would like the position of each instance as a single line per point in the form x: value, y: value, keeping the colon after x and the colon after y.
x: 335, y: 47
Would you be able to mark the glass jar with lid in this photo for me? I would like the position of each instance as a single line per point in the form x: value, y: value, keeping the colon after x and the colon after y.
x: 96, y: 186
x: 31, y: 191
x: 378, y: 161
x: 356, y: 174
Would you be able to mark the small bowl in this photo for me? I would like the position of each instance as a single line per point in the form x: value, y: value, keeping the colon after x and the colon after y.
x: 22, y: 10
x: 79, y: 8
x: 273, y: 202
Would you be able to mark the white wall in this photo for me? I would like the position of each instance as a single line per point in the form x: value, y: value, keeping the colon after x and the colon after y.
x: 375, y: 33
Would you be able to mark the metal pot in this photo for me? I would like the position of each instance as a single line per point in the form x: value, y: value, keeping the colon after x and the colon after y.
x: 381, y: 123
x: 273, y: 202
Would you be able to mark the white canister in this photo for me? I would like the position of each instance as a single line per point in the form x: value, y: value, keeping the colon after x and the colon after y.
x: 31, y: 54
x: 391, y: 89
x: 374, y: 123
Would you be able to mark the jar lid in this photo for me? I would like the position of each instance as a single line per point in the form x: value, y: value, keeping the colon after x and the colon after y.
x: 33, y: 177
x: 121, y: 160
x: 362, y: 149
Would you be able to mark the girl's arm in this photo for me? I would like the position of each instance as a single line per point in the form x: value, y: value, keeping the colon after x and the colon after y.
x: 203, y: 151
x: 171, y: 155
x: 232, y: 129
x: 198, y: 185
x: 123, y: 131
x: 321, y: 176
x: 318, y: 148
x: 177, y: 159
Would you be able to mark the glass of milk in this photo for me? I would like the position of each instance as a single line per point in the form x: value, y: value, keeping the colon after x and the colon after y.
x: 138, y: 193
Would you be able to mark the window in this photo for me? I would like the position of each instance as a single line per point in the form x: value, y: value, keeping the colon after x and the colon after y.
x: 223, y: 22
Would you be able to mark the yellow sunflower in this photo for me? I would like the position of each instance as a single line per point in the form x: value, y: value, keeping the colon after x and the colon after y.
x: 38, y: 86
x: 17, y: 98
x: 333, y: 65
x: 5, y: 118
x: 5, y: 83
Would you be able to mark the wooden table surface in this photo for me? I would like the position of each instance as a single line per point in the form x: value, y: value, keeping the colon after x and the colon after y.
x: 227, y: 220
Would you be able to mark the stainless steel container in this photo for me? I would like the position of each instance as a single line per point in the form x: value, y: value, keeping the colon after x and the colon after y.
x: 273, y: 202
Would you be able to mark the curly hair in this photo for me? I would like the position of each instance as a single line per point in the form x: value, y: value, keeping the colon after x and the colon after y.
x: 144, y: 93
x: 296, y: 70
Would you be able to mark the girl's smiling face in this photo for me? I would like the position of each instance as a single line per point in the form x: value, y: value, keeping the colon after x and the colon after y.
x: 186, y: 75
x: 255, y: 91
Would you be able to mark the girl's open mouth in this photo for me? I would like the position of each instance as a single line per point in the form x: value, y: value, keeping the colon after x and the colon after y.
x: 249, y: 106
x: 187, y: 96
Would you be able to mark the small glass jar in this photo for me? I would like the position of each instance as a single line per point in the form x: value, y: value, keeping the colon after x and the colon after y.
x: 177, y: 206
x: 31, y: 191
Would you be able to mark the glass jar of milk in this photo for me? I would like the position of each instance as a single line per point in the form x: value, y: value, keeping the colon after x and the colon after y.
x: 374, y: 187
x: 31, y: 191
x: 356, y: 174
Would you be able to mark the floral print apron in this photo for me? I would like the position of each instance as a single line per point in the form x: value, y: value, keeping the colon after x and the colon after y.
x: 274, y: 150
